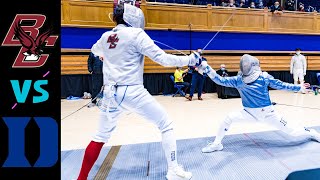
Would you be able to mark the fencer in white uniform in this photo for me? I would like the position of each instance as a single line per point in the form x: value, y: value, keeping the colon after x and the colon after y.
x: 123, y: 49
x: 298, y: 67
x: 252, y: 85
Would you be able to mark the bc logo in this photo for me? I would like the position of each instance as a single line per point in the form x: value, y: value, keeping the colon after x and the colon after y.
x: 30, y: 55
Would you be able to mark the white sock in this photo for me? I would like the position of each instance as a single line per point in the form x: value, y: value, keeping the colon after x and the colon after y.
x: 170, y: 148
x: 223, y: 128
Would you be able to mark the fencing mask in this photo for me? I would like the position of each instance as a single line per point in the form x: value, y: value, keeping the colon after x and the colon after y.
x: 132, y: 14
x: 250, y: 68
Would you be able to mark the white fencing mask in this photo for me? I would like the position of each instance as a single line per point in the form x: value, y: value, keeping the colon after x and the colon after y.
x: 133, y: 16
x: 130, y: 12
x: 250, y: 68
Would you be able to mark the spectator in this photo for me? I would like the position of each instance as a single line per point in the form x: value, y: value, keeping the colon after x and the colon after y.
x: 260, y: 4
x: 301, y: 7
x: 224, y: 3
x: 223, y: 71
x: 269, y: 3
x: 95, y: 69
x: 298, y: 67
x: 252, y: 5
x: 311, y: 9
x: 197, y: 81
x: 225, y: 92
x: 243, y: 4
x: 231, y: 4
x: 179, y: 74
x: 290, y: 5
x: 276, y: 8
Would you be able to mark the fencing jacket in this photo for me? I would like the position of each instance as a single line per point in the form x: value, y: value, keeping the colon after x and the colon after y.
x: 298, y: 62
x: 123, y: 49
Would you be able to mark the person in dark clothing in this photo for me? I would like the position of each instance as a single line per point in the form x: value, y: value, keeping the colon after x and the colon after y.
x: 276, y: 8
x: 290, y: 5
x: 224, y: 73
x: 95, y: 69
x: 243, y: 4
x: 196, y: 82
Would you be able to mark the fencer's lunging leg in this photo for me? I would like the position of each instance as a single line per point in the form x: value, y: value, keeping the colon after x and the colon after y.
x: 91, y: 155
x: 242, y: 115
x: 280, y: 123
x: 170, y: 147
x: 107, y: 124
x: 222, y: 129
x: 146, y: 106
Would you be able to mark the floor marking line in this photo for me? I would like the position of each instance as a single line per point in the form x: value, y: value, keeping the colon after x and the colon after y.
x: 268, y: 152
x: 107, y: 163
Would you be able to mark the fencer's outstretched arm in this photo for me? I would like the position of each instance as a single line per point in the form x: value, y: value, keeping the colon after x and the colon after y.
x: 280, y: 85
x: 145, y: 45
x: 222, y: 81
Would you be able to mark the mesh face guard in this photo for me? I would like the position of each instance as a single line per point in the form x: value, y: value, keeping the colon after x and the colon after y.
x: 250, y: 68
x: 132, y: 14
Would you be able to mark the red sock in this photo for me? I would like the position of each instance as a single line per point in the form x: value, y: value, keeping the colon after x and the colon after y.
x: 90, y: 156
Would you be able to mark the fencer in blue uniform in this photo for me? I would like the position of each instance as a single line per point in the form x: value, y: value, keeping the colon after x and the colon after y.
x: 252, y: 85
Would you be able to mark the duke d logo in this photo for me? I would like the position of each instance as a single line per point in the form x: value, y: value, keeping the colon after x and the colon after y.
x: 30, y: 40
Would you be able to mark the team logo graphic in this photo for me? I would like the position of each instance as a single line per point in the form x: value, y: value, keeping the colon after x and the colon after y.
x: 34, y: 46
x: 112, y: 40
x: 32, y: 41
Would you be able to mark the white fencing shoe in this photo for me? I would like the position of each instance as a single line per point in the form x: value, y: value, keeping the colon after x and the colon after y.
x: 178, y: 173
x: 212, y: 147
x: 315, y: 135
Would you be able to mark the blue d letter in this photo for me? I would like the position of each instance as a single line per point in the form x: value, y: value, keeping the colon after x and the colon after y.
x: 16, y: 156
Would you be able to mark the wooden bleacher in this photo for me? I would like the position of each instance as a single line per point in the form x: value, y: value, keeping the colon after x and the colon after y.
x: 77, y: 64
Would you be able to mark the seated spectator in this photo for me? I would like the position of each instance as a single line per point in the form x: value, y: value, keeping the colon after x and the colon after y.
x: 223, y: 71
x: 225, y: 92
x: 301, y: 7
x: 243, y: 4
x: 276, y: 8
x: 311, y: 9
x: 252, y: 5
x: 260, y: 5
x: 179, y: 74
x: 224, y: 3
x: 289, y: 5
x: 231, y: 4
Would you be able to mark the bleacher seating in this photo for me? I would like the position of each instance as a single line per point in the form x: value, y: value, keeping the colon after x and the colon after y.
x: 314, y: 3
x: 172, y: 1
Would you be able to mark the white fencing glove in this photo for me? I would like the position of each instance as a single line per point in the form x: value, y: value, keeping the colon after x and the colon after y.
x: 195, y: 59
x: 204, y: 67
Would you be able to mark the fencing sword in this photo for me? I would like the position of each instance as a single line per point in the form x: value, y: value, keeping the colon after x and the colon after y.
x: 101, y: 91
x: 274, y: 103
x: 214, y: 36
x: 218, y: 31
x: 314, y: 88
